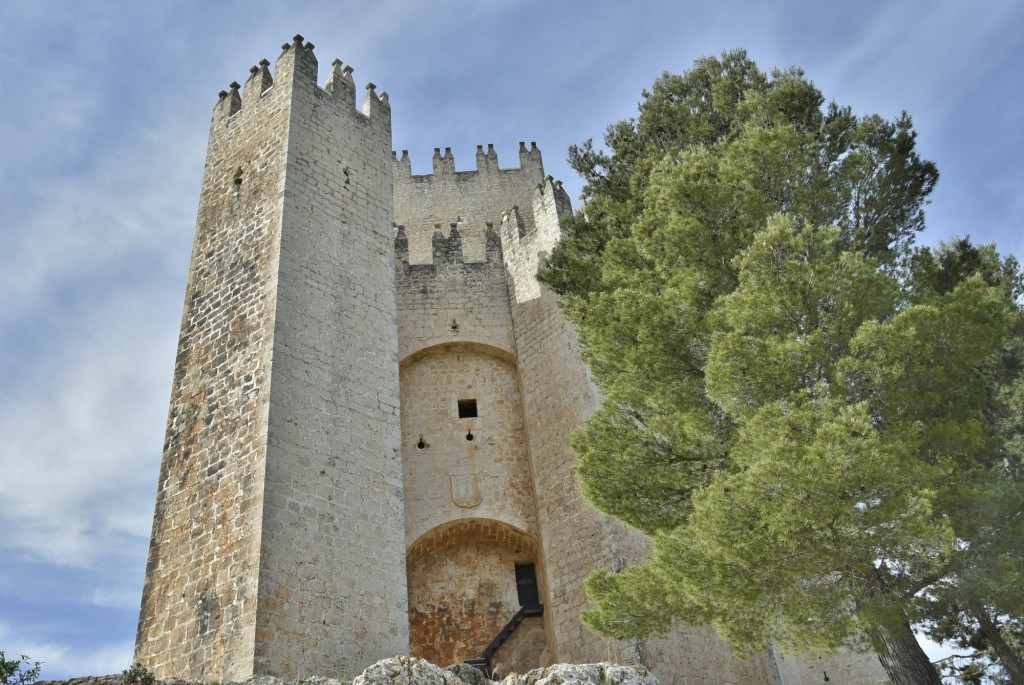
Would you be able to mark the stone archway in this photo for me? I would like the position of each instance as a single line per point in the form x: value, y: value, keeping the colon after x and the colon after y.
x: 462, y: 588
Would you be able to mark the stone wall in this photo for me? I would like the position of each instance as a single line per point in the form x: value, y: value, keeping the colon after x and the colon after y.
x: 524, y: 650
x: 467, y: 478
x: 557, y: 397
x: 467, y: 200
x: 472, y: 467
x: 843, y: 667
x: 449, y: 300
x: 695, y: 655
x: 332, y: 575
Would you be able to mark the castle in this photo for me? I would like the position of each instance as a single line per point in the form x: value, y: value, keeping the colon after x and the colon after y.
x: 367, y: 444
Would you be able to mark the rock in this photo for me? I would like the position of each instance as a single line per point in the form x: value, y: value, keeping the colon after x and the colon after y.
x: 583, y: 674
x: 469, y: 674
x: 263, y: 680
x: 317, y: 680
x: 403, y: 670
x: 87, y: 680
x: 406, y: 670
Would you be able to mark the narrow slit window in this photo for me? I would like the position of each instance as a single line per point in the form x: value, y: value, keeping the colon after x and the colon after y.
x: 467, y: 409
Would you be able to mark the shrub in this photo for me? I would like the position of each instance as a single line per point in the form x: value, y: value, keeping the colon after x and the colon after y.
x: 137, y: 675
x: 18, y: 671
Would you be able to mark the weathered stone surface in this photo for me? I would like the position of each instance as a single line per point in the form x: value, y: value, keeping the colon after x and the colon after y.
x: 524, y: 650
x: 405, y: 670
x: 254, y: 680
x: 97, y: 680
x: 583, y: 674
x: 278, y: 537
x: 469, y: 674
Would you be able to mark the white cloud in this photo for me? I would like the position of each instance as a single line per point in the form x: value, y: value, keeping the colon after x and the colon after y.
x: 62, y: 660
x: 116, y: 598
x: 925, y: 70
x: 92, y: 266
x: 132, y: 207
x: 82, y: 434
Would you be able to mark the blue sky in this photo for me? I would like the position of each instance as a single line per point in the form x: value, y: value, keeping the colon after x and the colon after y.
x: 103, y: 129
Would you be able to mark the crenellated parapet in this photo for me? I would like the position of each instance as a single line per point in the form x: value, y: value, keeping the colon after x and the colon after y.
x: 403, y: 166
x: 470, y: 200
x: 341, y: 84
x: 551, y: 190
x: 443, y: 164
x: 297, y: 68
x: 550, y: 203
x: 448, y: 248
x: 257, y: 126
x: 260, y: 79
x: 456, y: 294
x: 527, y: 237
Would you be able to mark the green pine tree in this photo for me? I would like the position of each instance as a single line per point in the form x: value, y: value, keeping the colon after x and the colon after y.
x: 802, y: 411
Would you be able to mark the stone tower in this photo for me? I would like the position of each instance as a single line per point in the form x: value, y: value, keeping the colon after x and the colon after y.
x: 278, y: 539
x: 367, y: 445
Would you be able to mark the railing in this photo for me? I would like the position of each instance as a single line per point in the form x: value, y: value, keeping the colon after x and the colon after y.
x: 484, y: 662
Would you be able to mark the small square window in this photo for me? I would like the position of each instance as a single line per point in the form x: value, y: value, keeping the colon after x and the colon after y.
x: 467, y: 409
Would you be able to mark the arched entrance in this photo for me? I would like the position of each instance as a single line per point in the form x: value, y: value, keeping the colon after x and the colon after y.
x: 463, y: 590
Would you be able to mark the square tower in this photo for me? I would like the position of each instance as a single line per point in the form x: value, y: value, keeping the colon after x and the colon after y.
x: 278, y: 539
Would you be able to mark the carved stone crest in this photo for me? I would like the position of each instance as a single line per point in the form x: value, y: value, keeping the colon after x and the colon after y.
x: 466, y: 491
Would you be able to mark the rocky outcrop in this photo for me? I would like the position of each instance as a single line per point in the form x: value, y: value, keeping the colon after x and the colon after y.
x: 584, y: 674
x: 405, y: 670
x: 87, y: 680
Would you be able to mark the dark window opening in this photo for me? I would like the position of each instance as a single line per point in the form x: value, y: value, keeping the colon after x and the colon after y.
x: 467, y: 409
x: 526, y: 585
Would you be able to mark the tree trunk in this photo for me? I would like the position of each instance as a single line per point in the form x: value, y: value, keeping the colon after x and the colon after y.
x: 1008, y: 659
x: 902, y: 656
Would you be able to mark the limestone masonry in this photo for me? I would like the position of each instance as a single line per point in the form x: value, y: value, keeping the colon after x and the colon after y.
x: 367, y: 443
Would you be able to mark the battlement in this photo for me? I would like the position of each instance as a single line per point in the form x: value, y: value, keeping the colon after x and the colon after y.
x: 550, y: 195
x: 297, y: 67
x: 511, y: 232
x: 549, y: 198
x: 486, y: 162
x: 451, y: 247
x: 452, y: 289
x: 471, y: 200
